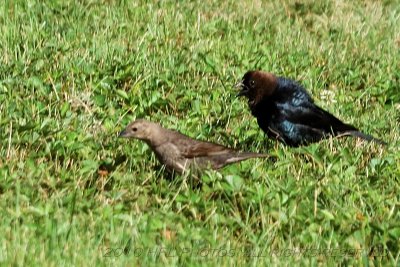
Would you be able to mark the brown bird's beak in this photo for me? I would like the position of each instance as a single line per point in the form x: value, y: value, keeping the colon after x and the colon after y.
x: 243, y: 90
x: 242, y: 93
x: 123, y: 134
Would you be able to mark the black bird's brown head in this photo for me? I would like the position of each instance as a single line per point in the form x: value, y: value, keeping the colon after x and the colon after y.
x: 257, y: 85
x: 141, y: 129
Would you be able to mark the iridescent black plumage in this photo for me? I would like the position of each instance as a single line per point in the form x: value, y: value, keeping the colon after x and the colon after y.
x: 285, y: 111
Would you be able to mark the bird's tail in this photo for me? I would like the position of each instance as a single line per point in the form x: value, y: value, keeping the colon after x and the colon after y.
x: 363, y: 136
x: 245, y: 155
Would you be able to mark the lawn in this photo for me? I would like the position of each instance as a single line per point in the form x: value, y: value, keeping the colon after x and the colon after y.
x: 75, y: 73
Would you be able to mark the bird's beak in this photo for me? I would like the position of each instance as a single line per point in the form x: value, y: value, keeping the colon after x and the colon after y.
x: 243, y: 90
x: 123, y: 134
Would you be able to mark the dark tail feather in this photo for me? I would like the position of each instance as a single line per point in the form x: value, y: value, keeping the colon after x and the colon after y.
x: 364, y: 136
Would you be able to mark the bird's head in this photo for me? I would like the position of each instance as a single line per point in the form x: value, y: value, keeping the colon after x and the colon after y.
x: 256, y: 85
x: 140, y: 129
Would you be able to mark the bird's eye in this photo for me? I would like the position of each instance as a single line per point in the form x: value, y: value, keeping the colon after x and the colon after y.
x: 134, y: 129
x: 252, y: 83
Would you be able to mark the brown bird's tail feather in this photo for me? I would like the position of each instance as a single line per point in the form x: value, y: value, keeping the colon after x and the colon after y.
x: 245, y: 155
x: 364, y: 136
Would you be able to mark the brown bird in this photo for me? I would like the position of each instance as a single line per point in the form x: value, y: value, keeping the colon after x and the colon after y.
x: 179, y: 152
x: 285, y: 111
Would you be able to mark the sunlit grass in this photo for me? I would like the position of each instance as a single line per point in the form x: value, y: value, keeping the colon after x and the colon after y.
x: 73, y: 74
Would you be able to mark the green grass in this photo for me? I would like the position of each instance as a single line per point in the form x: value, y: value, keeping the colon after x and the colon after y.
x: 73, y: 74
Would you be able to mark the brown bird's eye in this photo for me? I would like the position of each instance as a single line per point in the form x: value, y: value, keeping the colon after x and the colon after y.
x: 252, y: 83
x: 134, y: 129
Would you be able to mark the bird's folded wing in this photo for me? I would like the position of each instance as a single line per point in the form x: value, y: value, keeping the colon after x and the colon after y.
x: 194, y: 148
x: 315, y: 117
x: 191, y: 148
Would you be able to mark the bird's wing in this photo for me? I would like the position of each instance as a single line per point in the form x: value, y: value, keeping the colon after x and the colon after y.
x: 191, y: 148
x: 203, y: 149
x: 310, y: 115
x: 295, y: 134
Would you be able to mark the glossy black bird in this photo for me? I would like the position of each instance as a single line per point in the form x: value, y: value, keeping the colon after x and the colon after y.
x: 285, y: 111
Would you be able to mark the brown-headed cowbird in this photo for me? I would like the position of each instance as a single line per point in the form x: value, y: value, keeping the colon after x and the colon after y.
x: 285, y: 111
x: 179, y: 152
